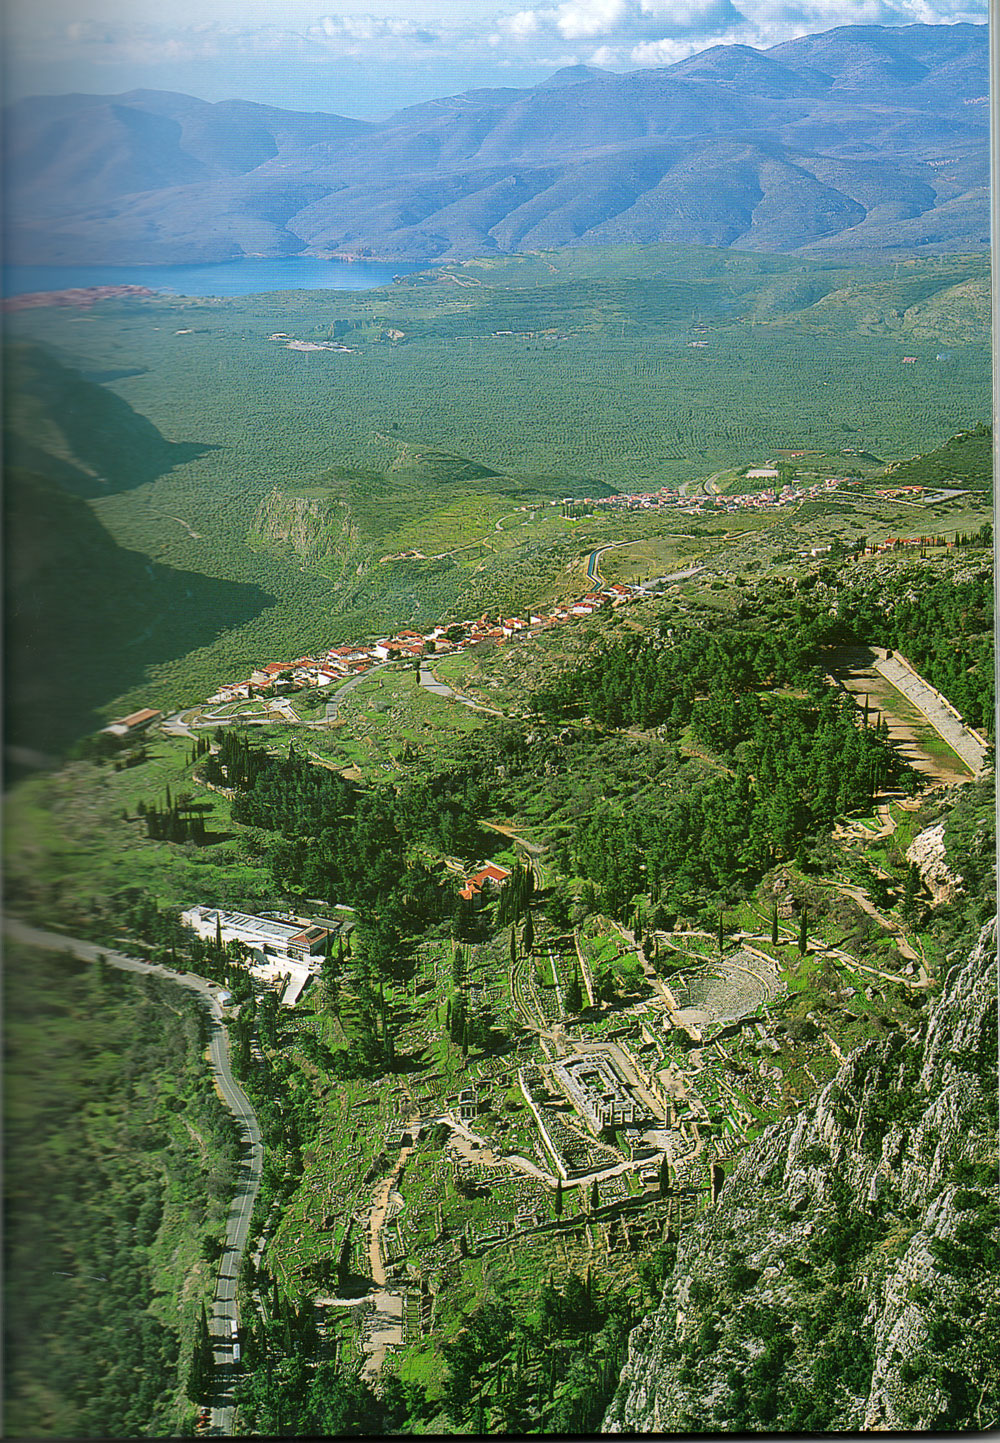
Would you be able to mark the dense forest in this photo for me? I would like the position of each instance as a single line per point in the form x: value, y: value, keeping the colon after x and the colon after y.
x: 795, y: 755
x: 777, y: 755
x: 111, y: 1118
x: 344, y: 843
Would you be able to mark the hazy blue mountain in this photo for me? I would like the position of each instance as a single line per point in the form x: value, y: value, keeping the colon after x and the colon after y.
x: 572, y: 75
x: 864, y: 137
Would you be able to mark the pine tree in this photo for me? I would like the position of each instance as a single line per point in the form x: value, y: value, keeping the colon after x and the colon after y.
x: 196, y: 1382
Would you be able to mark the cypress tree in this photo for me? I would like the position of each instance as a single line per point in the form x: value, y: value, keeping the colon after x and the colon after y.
x: 196, y: 1376
x: 774, y: 924
x: 803, y: 933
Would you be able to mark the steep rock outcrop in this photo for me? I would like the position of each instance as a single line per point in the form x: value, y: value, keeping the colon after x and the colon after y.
x: 318, y: 530
x: 927, y: 853
x: 847, y: 1278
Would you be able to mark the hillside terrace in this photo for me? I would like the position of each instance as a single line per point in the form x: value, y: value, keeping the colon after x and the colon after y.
x: 342, y: 662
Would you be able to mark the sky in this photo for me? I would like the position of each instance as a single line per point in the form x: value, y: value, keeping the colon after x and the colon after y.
x: 370, y: 61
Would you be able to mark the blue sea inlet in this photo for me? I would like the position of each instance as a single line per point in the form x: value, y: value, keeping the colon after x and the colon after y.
x: 245, y: 277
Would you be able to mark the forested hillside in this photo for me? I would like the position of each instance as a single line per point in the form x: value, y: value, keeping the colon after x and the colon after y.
x: 118, y: 1165
x: 943, y: 625
x: 964, y: 460
x: 846, y: 1279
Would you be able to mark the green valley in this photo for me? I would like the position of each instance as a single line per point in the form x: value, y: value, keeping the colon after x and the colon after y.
x: 561, y: 695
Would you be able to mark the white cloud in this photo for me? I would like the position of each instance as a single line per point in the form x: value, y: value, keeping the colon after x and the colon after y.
x: 369, y: 27
x: 441, y: 39
x: 651, y: 53
x: 586, y: 19
x: 658, y: 32
x: 621, y: 21
x: 524, y: 25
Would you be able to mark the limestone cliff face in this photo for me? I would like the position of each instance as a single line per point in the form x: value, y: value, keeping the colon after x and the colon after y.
x: 318, y: 530
x: 928, y: 852
x: 847, y: 1278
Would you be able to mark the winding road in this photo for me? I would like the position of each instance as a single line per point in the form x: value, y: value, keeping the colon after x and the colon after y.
x: 439, y: 688
x: 333, y: 705
x: 224, y: 1312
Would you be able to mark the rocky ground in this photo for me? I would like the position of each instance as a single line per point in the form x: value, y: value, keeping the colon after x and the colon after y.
x: 847, y: 1278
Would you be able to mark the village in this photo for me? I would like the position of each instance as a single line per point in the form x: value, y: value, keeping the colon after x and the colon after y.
x: 342, y: 662
x: 354, y: 659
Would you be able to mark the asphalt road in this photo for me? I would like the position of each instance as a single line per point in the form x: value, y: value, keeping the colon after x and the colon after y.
x: 333, y: 705
x: 224, y: 1312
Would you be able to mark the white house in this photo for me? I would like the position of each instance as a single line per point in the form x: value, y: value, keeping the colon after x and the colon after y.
x: 266, y: 938
x: 287, y: 954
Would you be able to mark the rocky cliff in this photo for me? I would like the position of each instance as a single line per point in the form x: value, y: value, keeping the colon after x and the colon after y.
x: 847, y: 1278
x: 319, y: 531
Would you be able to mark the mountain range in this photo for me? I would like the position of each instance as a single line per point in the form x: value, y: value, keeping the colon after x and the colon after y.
x: 864, y: 138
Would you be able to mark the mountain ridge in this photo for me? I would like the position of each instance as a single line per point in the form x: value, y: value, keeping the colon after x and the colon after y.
x: 861, y: 129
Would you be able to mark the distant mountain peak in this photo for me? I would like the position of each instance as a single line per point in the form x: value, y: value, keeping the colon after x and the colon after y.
x: 859, y: 137
x: 573, y: 75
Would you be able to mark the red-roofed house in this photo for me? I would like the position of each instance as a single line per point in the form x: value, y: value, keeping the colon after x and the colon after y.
x: 490, y: 873
x: 137, y: 721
